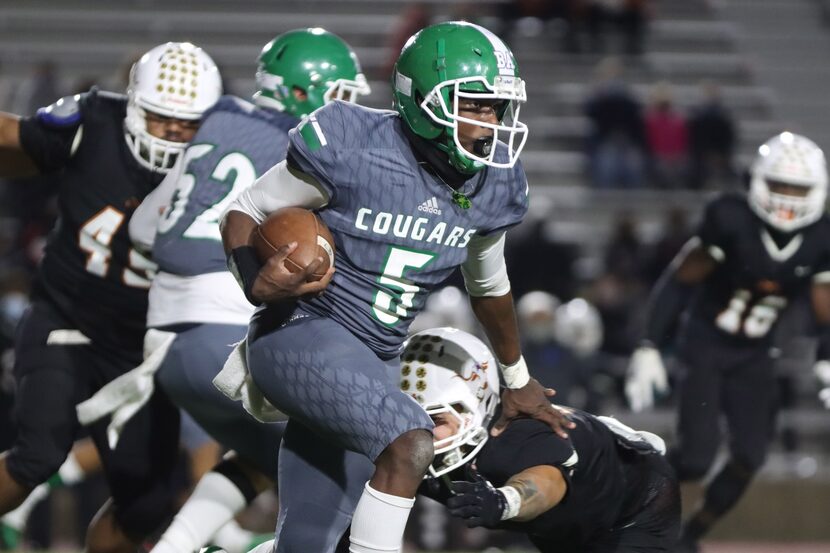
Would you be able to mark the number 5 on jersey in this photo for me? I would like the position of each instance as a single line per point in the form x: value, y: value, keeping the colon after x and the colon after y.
x: 398, y: 260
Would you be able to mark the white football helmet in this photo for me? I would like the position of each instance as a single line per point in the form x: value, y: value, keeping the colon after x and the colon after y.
x: 450, y: 371
x: 536, y: 312
x: 578, y: 327
x: 177, y: 80
x: 794, y: 160
x: 448, y: 306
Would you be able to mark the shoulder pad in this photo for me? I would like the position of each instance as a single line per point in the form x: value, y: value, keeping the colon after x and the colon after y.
x: 106, y: 95
x: 64, y: 113
x: 232, y: 104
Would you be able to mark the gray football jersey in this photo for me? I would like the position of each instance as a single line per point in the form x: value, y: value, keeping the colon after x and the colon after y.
x: 397, y: 232
x: 236, y: 143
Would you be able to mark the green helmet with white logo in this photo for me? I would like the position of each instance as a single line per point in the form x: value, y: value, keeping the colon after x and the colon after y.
x: 315, y: 61
x: 453, y: 60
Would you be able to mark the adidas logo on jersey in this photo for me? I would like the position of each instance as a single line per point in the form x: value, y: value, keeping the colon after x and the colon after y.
x: 430, y: 206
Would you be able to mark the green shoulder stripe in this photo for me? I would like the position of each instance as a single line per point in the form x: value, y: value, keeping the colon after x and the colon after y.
x: 312, y: 134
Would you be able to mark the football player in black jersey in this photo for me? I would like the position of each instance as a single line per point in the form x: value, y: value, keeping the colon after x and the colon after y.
x: 104, y: 153
x: 752, y: 255
x: 606, y: 488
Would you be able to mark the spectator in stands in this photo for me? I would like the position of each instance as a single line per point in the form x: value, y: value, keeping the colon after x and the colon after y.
x: 569, y: 12
x: 616, y: 141
x: 712, y: 139
x: 532, y: 242
x: 667, y: 136
x: 675, y: 234
x: 629, y: 16
x: 625, y: 254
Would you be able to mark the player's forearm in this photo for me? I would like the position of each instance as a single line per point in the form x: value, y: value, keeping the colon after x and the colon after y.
x: 539, y: 489
x: 674, y: 289
x: 237, y: 228
x: 497, y: 316
x: 13, y: 160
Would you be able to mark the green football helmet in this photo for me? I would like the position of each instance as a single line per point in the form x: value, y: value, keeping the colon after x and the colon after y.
x: 453, y: 60
x: 314, y: 60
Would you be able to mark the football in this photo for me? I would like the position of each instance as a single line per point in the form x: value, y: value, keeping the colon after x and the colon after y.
x: 295, y: 224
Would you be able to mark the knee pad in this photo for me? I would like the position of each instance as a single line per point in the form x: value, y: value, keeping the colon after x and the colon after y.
x: 31, y: 468
x: 231, y: 470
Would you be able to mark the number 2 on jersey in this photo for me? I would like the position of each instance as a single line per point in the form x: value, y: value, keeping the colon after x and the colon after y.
x: 398, y: 260
x: 234, y: 169
x: 755, y: 323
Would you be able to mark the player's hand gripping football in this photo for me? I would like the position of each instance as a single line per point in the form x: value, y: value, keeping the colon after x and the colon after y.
x: 276, y: 283
x: 822, y: 371
x: 531, y: 401
x: 646, y: 378
x: 477, y: 502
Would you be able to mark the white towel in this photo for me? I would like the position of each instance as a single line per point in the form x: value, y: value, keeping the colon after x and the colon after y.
x: 636, y: 436
x: 125, y: 395
x: 234, y: 380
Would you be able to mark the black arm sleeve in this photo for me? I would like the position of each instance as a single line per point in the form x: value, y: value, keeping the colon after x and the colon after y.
x: 667, y: 301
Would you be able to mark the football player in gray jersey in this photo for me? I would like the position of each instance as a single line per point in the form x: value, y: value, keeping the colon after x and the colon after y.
x: 194, y: 300
x: 409, y: 196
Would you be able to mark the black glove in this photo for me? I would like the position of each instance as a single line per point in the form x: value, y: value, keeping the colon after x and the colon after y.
x: 435, y: 488
x: 477, y: 502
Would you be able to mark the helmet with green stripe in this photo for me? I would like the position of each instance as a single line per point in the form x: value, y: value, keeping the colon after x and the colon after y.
x: 453, y: 60
x: 303, y: 69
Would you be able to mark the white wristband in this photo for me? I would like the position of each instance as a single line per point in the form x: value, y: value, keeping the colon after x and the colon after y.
x: 515, y: 375
x: 514, y: 502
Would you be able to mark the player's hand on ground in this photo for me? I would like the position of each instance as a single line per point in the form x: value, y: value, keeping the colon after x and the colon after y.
x: 276, y: 283
x: 477, y: 502
x: 822, y: 371
x: 531, y: 401
x: 646, y: 378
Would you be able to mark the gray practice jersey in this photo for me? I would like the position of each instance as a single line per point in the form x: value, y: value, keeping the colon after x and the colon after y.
x: 397, y: 232
x: 237, y: 143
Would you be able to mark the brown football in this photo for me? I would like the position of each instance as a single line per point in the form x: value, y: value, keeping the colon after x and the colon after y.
x: 295, y: 224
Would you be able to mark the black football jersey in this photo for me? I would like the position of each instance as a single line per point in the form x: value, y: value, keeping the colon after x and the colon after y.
x: 601, y: 490
x: 90, y: 271
x: 760, y: 271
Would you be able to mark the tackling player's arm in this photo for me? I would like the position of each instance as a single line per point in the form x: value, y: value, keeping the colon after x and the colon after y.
x: 282, y: 186
x: 538, y: 489
x: 524, y: 497
x: 485, y: 277
x: 668, y: 299
x: 14, y: 162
